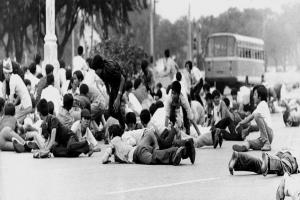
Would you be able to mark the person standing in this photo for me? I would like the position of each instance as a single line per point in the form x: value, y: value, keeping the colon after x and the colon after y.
x: 170, y: 66
x: 110, y: 72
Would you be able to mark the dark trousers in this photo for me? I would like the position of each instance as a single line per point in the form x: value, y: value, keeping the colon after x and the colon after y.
x: 232, y: 134
x: 73, y: 149
x: 246, y: 162
x: 165, y: 140
x: 115, y: 114
x: 146, y: 154
x: 195, y: 92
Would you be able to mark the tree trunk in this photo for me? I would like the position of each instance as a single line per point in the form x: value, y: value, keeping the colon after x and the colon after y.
x: 18, y: 42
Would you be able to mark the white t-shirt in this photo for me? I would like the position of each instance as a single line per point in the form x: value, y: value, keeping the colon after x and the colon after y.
x: 79, y: 64
x: 263, y: 109
x: 133, y: 137
x: 18, y: 87
x: 158, y: 120
x: 134, y: 104
x: 33, y: 79
x: 51, y: 93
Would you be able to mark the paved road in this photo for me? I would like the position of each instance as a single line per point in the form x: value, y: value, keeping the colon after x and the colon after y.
x: 22, y: 177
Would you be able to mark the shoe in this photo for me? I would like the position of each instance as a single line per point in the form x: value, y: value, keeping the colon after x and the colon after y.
x: 266, y: 147
x: 239, y: 148
x: 19, y: 148
x: 32, y: 145
x: 220, y: 134
x: 177, y: 158
x: 216, y: 142
x: 191, y: 150
x: 265, y: 164
x: 232, y: 161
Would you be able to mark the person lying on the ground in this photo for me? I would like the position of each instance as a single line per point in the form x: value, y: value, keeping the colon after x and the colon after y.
x: 173, y: 107
x: 291, y: 115
x: 289, y: 187
x: 146, y: 152
x: 262, y: 117
x: 282, y: 161
x: 61, y: 141
x: 82, y: 129
x: 209, y: 137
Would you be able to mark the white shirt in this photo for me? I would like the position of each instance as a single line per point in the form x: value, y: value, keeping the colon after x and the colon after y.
x: 158, y: 120
x: 263, y: 109
x: 170, y: 67
x: 76, y: 128
x: 133, y: 137
x: 79, y: 64
x: 91, y: 78
x: 18, y: 87
x: 33, y: 79
x: 134, y: 104
x: 196, y: 75
x: 38, y: 70
x: 51, y: 93
x: 62, y: 76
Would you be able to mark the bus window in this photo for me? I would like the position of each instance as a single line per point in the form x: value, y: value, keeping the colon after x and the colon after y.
x: 220, y: 46
x: 210, y: 47
x: 230, y: 46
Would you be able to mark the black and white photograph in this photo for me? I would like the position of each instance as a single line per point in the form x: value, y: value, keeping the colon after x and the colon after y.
x: 149, y: 99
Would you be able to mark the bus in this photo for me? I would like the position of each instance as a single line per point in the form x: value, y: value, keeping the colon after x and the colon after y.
x: 233, y: 59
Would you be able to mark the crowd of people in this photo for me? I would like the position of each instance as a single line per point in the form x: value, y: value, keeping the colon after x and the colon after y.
x: 140, y: 120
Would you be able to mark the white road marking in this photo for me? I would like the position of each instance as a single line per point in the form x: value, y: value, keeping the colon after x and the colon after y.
x: 163, y: 186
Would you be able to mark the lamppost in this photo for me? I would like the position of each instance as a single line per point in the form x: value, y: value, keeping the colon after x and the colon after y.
x: 50, y: 46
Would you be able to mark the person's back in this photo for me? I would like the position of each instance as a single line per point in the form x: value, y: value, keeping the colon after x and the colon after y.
x: 78, y: 62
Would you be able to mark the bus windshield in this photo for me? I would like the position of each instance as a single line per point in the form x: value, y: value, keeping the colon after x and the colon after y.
x: 220, y: 46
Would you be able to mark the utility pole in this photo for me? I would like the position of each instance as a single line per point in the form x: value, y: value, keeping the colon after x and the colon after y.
x: 152, y: 5
x: 189, y: 38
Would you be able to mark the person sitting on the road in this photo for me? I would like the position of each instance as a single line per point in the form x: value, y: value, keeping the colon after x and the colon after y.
x: 64, y: 115
x: 146, y: 152
x: 61, y: 141
x: 263, y: 120
x: 130, y: 121
x: 282, y: 161
x: 291, y: 115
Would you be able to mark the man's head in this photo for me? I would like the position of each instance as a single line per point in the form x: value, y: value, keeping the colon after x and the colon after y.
x: 158, y: 95
x: 50, y: 79
x: 176, y: 90
x: 62, y: 64
x: 206, y: 88
x: 68, y: 74
x: 49, y: 69
x: 128, y: 86
x: 80, y: 50
x: 130, y: 120
x: 77, y: 77
x: 145, y: 117
x: 9, y: 109
x: 50, y: 107
x: 178, y: 76
x: 68, y: 101
x: 137, y: 83
x: 85, y: 118
x: 216, y: 95
x: 234, y: 92
x: 7, y: 69
x: 260, y: 93
x: 152, y: 108
x: 97, y: 64
x: 42, y: 108
x: 28, y: 84
x: 144, y: 65
x: 115, y: 130
x: 37, y: 59
x: 32, y: 68
x: 167, y: 53
x: 189, y: 66
x: 84, y: 89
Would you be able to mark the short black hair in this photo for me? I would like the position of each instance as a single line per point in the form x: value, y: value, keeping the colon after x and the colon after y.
x: 68, y: 101
x: 145, y: 116
x: 27, y: 82
x: 84, y: 89
x: 190, y: 64
x: 216, y: 93
x: 39, y: 75
x: 68, y: 74
x: 137, y: 83
x: 206, y: 87
x: 234, y: 91
x: 89, y: 61
x: 262, y: 92
x: 97, y: 63
x: 159, y: 104
x: 178, y: 76
x: 37, y: 59
x: 50, y: 107
x: 79, y: 75
x: 226, y: 101
x: 144, y: 64
x: 128, y: 85
x: 130, y: 118
x: 62, y: 63
x: 159, y: 85
x: 42, y: 107
x: 80, y: 50
x: 2, y: 103
x: 208, y: 96
x: 167, y: 53
x: 9, y: 109
x: 159, y: 94
x: 32, y: 68
x: 115, y: 130
x: 152, y: 108
x: 176, y: 87
x: 50, y: 79
x: 49, y: 69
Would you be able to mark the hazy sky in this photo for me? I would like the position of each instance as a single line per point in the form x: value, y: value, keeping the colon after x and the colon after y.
x: 174, y: 9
